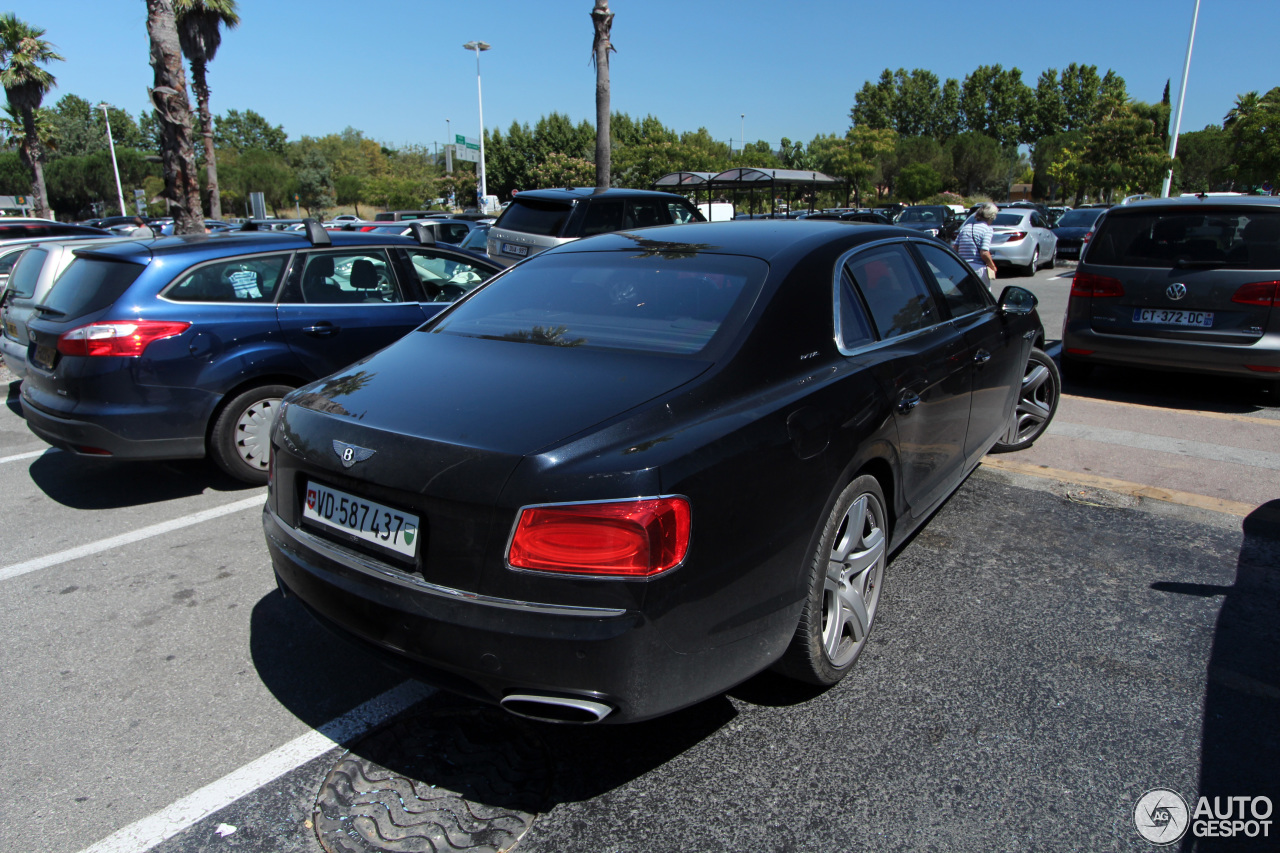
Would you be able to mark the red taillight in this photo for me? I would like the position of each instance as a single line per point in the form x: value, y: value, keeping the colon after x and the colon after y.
x: 632, y: 539
x: 128, y: 340
x: 1261, y: 293
x: 1016, y: 235
x: 1089, y: 284
x: 367, y: 227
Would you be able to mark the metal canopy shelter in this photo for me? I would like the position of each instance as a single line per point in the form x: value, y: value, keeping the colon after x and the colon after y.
x: 738, y: 179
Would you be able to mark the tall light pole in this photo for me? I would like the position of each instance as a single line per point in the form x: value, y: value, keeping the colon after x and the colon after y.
x: 1182, y: 95
x: 742, y: 139
x: 482, y: 189
x: 112, y: 143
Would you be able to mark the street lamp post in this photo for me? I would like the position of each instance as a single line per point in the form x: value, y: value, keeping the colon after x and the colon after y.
x: 742, y: 139
x: 482, y: 189
x: 1182, y: 95
x: 115, y: 168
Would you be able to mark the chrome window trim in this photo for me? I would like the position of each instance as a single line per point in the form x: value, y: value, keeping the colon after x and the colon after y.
x: 835, y: 298
x: 369, y: 566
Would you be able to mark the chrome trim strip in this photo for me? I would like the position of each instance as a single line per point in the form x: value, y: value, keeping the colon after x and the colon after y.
x: 369, y: 566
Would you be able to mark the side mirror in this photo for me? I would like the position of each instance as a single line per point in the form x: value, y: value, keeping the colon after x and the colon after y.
x: 1017, y: 301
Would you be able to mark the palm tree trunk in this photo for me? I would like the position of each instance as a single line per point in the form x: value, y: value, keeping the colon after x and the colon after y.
x: 169, y: 96
x: 602, y: 19
x: 32, y: 156
x: 201, y: 87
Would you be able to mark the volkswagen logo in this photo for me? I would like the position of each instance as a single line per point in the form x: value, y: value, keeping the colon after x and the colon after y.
x: 350, y: 454
x: 1176, y: 291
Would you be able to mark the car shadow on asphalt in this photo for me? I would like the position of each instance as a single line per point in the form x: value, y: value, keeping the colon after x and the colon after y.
x: 1172, y: 390
x: 82, y: 482
x: 318, y: 676
x: 1240, y: 739
x: 11, y: 399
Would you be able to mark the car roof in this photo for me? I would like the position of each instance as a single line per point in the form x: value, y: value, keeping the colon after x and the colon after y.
x: 761, y: 238
x: 232, y: 243
x: 575, y: 193
x: 1189, y: 202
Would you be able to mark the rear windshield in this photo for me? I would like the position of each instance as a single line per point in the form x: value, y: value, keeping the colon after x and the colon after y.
x: 673, y: 303
x: 924, y: 214
x: 88, y: 285
x: 1079, y: 218
x: 1248, y: 239
x: 1009, y: 218
x: 544, y: 218
x: 22, y: 281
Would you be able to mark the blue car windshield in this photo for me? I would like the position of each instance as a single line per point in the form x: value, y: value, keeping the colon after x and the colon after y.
x: 663, y: 302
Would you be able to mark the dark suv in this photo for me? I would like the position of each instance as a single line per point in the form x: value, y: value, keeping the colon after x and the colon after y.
x: 182, y: 347
x: 541, y: 219
x: 1187, y: 284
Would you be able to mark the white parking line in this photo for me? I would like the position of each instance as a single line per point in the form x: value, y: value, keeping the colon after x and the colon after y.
x: 169, y: 821
x: 125, y: 538
x: 31, y: 455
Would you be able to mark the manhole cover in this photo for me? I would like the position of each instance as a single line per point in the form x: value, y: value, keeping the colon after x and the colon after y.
x: 446, y: 780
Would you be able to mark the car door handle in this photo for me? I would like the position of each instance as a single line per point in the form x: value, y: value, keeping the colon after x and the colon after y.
x: 908, y: 401
x: 322, y: 330
x: 981, y: 357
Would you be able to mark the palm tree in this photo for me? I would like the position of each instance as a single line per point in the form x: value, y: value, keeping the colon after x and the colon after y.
x: 173, y: 112
x: 200, y: 25
x: 602, y: 19
x: 1245, y: 106
x: 22, y: 52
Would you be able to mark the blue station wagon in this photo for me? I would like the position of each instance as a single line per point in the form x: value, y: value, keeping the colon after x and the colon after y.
x: 182, y: 347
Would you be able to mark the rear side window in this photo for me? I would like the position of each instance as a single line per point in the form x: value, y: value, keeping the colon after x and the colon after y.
x: 674, y: 303
x: 531, y: 216
x: 241, y: 280
x: 22, y: 280
x: 960, y: 288
x: 89, y: 285
x: 894, y: 291
x: 1247, y: 239
x: 603, y: 217
x: 453, y: 232
x: 680, y: 214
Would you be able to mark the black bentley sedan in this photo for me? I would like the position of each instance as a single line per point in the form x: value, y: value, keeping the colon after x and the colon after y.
x: 637, y: 469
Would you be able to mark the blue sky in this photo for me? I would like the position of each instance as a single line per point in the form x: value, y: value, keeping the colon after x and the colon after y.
x: 397, y: 70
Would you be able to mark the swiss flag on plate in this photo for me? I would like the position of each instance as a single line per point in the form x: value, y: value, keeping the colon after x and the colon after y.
x: 311, y: 498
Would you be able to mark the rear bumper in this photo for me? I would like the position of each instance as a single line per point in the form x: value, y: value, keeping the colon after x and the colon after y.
x: 1017, y: 254
x: 490, y: 648
x: 78, y: 435
x: 1163, y: 354
x: 15, y: 355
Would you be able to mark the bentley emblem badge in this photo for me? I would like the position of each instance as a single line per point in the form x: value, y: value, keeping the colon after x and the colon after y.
x: 350, y: 454
x: 1176, y: 291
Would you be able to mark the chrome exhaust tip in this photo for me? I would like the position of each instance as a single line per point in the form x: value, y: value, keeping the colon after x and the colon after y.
x: 556, y: 709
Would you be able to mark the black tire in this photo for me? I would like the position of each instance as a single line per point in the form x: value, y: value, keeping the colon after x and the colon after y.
x: 1075, y: 371
x: 1030, y: 269
x: 846, y: 574
x: 240, y: 442
x: 1036, y: 406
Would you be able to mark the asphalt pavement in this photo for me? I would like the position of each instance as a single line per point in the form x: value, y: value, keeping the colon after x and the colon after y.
x: 1071, y: 630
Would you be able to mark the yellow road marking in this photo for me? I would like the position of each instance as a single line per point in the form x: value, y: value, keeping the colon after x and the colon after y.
x: 1222, y: 416
x: 1124, y: 487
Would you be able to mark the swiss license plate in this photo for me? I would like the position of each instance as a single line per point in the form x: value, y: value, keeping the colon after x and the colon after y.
x: 513, y: 249
x: 43, y: 356
x: 1164, y: 316
x: 364, y: 519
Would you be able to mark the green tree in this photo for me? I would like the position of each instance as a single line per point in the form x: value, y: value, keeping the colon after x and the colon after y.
x: 1048, y: 114
x: 239, y: 131
x: 975, y: 161
x: 1254, y: 125
x: 200, y: 24
x: 1205, y: 161
x: 256, y: 170
x: 917, y: 181
x: 561, y: 170
x: 23, y: 52
x: 1047, y: 150
x: 996, y: 103
x: 873, y: 106
x: 314, y: 183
